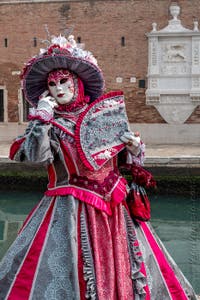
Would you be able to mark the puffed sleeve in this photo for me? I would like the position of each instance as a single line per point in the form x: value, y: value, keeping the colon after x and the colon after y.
x: 38, y: 144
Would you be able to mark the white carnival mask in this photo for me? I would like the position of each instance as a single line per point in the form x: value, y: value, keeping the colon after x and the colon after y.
x: 61, y: 86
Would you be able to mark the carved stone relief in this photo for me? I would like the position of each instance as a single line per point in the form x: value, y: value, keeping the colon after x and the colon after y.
x: 196, y: 82
x: 154, y: 83
x: 154, y: 53
x: 174, y: 69
x: 196, y: 54
x: 174, y: 58
x: 174, y: 52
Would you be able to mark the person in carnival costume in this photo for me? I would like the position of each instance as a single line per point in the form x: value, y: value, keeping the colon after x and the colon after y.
x: 87, y: 238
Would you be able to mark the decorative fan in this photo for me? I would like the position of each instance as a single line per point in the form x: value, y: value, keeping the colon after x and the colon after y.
x: 99, y: 130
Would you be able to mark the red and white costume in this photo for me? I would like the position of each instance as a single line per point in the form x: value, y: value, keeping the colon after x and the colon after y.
x: 80, y: 241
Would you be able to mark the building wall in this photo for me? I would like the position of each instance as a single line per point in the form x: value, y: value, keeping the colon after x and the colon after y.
x: 101, y: 25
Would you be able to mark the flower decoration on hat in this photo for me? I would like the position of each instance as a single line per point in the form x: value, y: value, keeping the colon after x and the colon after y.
x: 61, y: 53
x: 68, y: 45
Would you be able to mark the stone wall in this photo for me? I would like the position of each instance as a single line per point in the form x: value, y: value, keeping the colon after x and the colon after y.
x: 101, y: 26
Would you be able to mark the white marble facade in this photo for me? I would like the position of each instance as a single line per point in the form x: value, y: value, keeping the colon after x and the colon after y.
x: 174, y: 69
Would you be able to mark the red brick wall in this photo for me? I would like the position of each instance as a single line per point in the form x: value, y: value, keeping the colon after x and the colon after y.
x: 100, y: 24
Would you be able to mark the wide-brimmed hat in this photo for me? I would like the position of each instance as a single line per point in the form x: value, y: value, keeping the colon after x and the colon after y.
x: 62, y: 53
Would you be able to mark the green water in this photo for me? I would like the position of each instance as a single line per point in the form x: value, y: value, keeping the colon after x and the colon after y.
x: 176, y: 220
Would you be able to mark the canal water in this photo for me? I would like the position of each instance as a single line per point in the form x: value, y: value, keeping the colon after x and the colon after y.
x: 176, y: 220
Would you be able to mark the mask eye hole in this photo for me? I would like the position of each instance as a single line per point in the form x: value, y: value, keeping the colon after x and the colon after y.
x: 52, y: 83
x: 63, y: 80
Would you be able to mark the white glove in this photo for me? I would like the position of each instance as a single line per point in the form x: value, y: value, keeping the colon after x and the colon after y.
x: 132, y: 141
x: 46, y: 103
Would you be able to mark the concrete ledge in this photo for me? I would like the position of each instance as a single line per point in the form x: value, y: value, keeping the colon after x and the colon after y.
x: 185, y: 161
x: 168, y: 133
x: 151, y: 161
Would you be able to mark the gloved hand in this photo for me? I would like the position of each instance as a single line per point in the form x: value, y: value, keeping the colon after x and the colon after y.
x: 46, y: 103
x: 132, y: 141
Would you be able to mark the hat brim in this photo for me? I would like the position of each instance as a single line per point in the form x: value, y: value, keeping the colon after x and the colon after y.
x: 35, y: 78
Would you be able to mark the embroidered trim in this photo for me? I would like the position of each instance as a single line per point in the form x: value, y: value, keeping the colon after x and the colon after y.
x: 103, y: 189
x: 139, y: 279
x: 88, y: 269
x: 102, y: 196
x: 82, y: 283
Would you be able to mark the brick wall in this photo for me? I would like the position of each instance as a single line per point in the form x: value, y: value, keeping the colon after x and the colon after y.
x: 101, y: 25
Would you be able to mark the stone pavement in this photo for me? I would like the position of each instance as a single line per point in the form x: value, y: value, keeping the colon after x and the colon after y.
x: 156, y: 155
